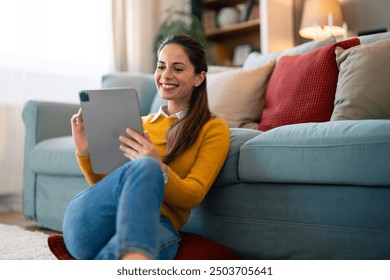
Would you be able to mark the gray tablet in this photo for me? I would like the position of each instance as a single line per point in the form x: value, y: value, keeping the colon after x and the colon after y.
x: 106, y: 115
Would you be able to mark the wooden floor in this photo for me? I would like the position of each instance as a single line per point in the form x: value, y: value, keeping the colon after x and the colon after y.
x: 11, y: 214
x: 17, y: 218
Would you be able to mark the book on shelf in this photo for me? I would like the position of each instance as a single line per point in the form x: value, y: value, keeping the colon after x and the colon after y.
x: 248, y: 10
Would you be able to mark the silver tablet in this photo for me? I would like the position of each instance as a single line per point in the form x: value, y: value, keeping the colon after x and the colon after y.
x: 106, y: 115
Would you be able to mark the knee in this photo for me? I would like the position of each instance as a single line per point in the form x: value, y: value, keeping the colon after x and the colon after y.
x: 145, y: 167
x: 148, y: 163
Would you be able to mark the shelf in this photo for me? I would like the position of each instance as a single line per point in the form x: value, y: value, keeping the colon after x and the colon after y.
x: 232, y: 30
x: 224, y: 40
x: 218, y: 4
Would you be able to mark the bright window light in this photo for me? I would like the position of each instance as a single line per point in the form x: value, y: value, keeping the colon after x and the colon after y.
x: 57, y: 36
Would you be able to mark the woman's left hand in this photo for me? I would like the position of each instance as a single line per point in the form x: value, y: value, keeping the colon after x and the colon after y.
x: 137, y: 146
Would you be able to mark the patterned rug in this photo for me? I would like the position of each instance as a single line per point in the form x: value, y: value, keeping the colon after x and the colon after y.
x: 17, y: 243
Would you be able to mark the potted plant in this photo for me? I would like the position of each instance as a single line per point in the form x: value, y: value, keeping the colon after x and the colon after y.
x: 182, y: 22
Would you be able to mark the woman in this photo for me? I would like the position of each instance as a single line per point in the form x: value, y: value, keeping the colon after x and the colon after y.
x: 136, y: 211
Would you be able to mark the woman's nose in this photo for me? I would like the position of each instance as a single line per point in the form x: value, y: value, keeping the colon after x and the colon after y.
x: 167, y: 74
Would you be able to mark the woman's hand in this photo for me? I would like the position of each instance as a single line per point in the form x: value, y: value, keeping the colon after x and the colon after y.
x: 79, y: 135
x: 137, y: 146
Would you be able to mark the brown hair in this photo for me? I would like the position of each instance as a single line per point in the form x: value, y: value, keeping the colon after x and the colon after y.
x: 182, y: 134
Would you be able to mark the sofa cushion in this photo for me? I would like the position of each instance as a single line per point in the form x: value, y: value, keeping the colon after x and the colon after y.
x: 237, y: 96
x: 343, y: 152
x: 55, y: 156
x: 302, y: 88
x: 255, y: 59
x: 363, y: 88
x: 372, y: 38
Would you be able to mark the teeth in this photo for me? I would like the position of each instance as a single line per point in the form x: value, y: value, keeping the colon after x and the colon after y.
x: 168, y: 86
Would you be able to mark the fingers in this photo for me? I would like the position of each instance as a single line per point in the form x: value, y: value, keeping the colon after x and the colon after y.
x: 132, y: 154
x: 137, y: 146
x: 136, y: 136
x: 130, y: 144
x: 77, y: 119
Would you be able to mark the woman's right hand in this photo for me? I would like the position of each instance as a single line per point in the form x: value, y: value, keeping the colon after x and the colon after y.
x: 79, y: 135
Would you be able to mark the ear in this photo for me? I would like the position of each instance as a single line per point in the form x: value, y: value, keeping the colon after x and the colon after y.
x: 200, y: 78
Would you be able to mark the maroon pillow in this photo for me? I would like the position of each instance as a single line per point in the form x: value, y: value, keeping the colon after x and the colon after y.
x: 197, y: 247
x: 57, y: 247
x: 192, y: 247
x: 302, y: 88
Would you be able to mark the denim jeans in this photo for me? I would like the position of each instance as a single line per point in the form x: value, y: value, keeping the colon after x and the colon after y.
x: 121, y: 214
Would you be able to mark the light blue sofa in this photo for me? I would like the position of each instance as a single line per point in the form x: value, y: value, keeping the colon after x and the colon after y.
x: 302, y: 191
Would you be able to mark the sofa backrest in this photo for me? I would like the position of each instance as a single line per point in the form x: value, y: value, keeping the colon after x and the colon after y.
x: 142, y: 82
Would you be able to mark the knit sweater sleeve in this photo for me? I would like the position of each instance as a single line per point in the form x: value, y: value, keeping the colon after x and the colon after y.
x: 86, y: 167
x: 213, y: 146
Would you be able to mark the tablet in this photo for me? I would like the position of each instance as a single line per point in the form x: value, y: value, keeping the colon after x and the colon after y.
x: 106, y: 115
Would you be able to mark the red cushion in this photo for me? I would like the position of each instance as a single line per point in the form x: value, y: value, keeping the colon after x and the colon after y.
x: 302, y: 88
x: 192, y: 247
x: 57, y: 247
x: 196, y: 247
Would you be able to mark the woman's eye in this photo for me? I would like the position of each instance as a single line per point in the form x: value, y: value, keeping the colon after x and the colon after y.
x: 160, y: 67
x: 178, y: 69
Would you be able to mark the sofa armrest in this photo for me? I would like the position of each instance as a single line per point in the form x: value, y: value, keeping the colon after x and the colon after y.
x: 142, y: 82
x: 42, y: 120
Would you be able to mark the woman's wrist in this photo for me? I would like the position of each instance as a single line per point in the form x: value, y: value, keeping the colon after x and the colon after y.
x: 82, y: 154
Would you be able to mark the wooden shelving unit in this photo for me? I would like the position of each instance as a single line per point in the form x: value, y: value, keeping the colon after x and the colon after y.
x: 224, y: 40
x: 234, y: 30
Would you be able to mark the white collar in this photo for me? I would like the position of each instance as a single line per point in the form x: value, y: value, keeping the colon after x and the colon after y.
x: 162, y: 112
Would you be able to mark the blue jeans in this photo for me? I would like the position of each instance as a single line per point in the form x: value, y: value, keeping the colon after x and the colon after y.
x: 121, y: 214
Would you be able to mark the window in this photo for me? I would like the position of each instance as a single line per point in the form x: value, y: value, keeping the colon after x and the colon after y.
x: 48, y: 43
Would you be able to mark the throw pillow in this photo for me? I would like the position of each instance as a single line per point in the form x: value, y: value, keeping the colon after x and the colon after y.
x: 192, y: 247
x: 302, y: 88
x: 237, y: 96
x: 363, y: 89
x: 255, y: 58
x: 197, y: 247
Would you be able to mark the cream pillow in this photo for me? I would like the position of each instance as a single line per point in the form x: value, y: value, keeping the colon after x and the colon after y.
x: 363, y: 88
x: 255, y: 58
x: 237, y: 96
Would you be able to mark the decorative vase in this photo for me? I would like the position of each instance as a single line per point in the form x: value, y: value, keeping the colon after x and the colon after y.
x: 228, y: 16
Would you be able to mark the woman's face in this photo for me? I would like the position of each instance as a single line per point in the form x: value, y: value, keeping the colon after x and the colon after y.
x: 175, y: 76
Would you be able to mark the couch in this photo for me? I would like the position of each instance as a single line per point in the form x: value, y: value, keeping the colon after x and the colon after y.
x: 301, y: 181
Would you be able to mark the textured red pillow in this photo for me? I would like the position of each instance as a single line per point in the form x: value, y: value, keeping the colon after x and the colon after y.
x: 302, y: 88
x: 57, y: 247
x: 197, y: 247
x: 192, y: 247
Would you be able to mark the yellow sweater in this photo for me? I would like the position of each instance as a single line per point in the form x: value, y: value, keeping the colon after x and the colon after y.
x: 190, y: 174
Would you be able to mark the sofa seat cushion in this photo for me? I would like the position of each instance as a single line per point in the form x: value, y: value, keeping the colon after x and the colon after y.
x: 55, y: 156
x: 343, y: 152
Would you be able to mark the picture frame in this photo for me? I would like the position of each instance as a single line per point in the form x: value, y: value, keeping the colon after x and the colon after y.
x: 240, y: 54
